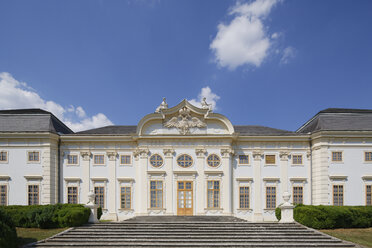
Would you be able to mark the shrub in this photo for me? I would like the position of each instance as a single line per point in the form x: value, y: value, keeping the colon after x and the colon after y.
x: 48, y: 216
x: 99, y: 212
x: 8, y: 234
x: 330, y: 217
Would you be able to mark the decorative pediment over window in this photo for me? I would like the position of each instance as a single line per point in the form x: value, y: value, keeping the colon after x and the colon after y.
x: 184, y: 119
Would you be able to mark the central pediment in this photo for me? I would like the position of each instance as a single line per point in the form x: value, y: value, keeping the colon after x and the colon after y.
x: 184, y: 119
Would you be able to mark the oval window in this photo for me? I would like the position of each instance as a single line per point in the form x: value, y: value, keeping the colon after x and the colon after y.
x: 156, y: 160
x: 184, y: 160
x: 213, y: 160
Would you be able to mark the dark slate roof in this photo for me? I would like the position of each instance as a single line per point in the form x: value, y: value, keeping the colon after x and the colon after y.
x: 31, y: 120
x: 335, y: 119
x: 110, y: 130
x: 261, y: 130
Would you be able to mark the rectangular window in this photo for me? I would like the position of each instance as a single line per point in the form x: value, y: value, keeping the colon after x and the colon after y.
x: 72, y: 159
x: 3, y: 195
x: 244, y: 197
x: 297, y: 159
x: 33, y: 157
x: 337, y: 156
x: 100, y: 196
x: 125, y: 197
x: 72, y: 195
x: 125, y: 159
x: 369, y: 195
x: 156, y: 194
x: 270, y: 159
x: 33, y: 194
x: 368, y: 156
x: 338, y: 195
x: 270, y: 197
x: 213, y: 194
x: 298, y: 195
x: 243, y: 159
x: 3, y: 156
x: 99, y: 159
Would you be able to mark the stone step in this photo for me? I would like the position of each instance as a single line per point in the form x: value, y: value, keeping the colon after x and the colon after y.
x: 195, y: 227
x: 247, y: 232
x: 210, y: 235
x: 187, y: 244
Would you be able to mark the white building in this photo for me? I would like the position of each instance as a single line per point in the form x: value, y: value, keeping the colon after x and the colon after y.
x: 186, y: 160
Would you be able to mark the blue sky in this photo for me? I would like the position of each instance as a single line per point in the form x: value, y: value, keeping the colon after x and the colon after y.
x: 265, y: 62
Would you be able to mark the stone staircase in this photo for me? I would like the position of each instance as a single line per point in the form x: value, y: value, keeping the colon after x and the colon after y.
x: 191, y: 231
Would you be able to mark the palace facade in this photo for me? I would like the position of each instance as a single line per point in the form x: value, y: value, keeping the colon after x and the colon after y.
x: 186, y: 160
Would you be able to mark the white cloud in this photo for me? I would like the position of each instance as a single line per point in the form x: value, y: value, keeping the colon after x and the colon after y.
x: 15, y: 95
x: 244, y: 40
x: 211, y: 98
x: 288, y: 54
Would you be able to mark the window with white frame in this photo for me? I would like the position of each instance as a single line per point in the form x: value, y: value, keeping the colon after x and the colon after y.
x: 244, y: 197
x: 125, y: 197
x: 3, y: 195
x: 298, y: 194
x: 338, y: 195
x: 33, y: 156
x: 369, y: 195
x: 99, y: 191
x: 156, y: 194
x: 33, y: 194
x: 269, y: 159
x: 270, y: 197
x: 336, y: 156
x: 368, y: 156
x: 3, y: 156
x: 99, y: 159
x: 296, y: 159
x: 72, y: 159
x: 213, y: 194
x: 243, y: 159
x: 125, y: 159
x: 72, y: 195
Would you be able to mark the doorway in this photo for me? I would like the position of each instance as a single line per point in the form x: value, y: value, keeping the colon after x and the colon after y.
x: 184, y: 198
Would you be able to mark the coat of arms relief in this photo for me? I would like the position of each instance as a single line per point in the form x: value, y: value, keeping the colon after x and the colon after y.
x: 184, y: 121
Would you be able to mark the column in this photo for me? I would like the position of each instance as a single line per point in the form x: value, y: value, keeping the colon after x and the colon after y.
x: 141, y: 158
x: 283, y: 164
x: 227, y: 192
x: 257, y: 181
x: 200, y: 192
x: 169, y: 201
x: 112, y: 194
x: 85, y: 164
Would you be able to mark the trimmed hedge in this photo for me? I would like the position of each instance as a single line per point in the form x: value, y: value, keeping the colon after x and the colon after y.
x: 48, y: 216
x: 99, y: 212
x: 8, y: 234
x: 331, y: 217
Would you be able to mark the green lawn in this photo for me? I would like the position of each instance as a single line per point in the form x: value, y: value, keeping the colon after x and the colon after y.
x: 30, y: 235
x: 361, y: 236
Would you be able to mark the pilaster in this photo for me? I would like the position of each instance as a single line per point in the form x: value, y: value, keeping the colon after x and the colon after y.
x: 227, y: 191
x: 112, y: 192
x: 85, y: 164
x: 200, y: 181
x: 257, y: 180
x: 141, y: 159
x: 283, y: 163
x: 169, y: 204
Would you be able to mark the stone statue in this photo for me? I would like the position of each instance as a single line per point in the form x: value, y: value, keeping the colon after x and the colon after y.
x: 162, y: 106
x: 204, y: 104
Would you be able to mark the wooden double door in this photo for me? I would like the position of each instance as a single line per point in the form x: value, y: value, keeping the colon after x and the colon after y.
x: 185, y: 198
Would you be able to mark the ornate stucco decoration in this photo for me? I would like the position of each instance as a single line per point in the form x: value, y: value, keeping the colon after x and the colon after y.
x: 111, y: 155
x: 284, y: 155
x: 168, y: 152
x: 257, y: 155
x: 226, y: 152
x: 141, y: 152
x: 184, y: 121
x: 162, y: 106
x: 200, y: 152
x: 85, y: 155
